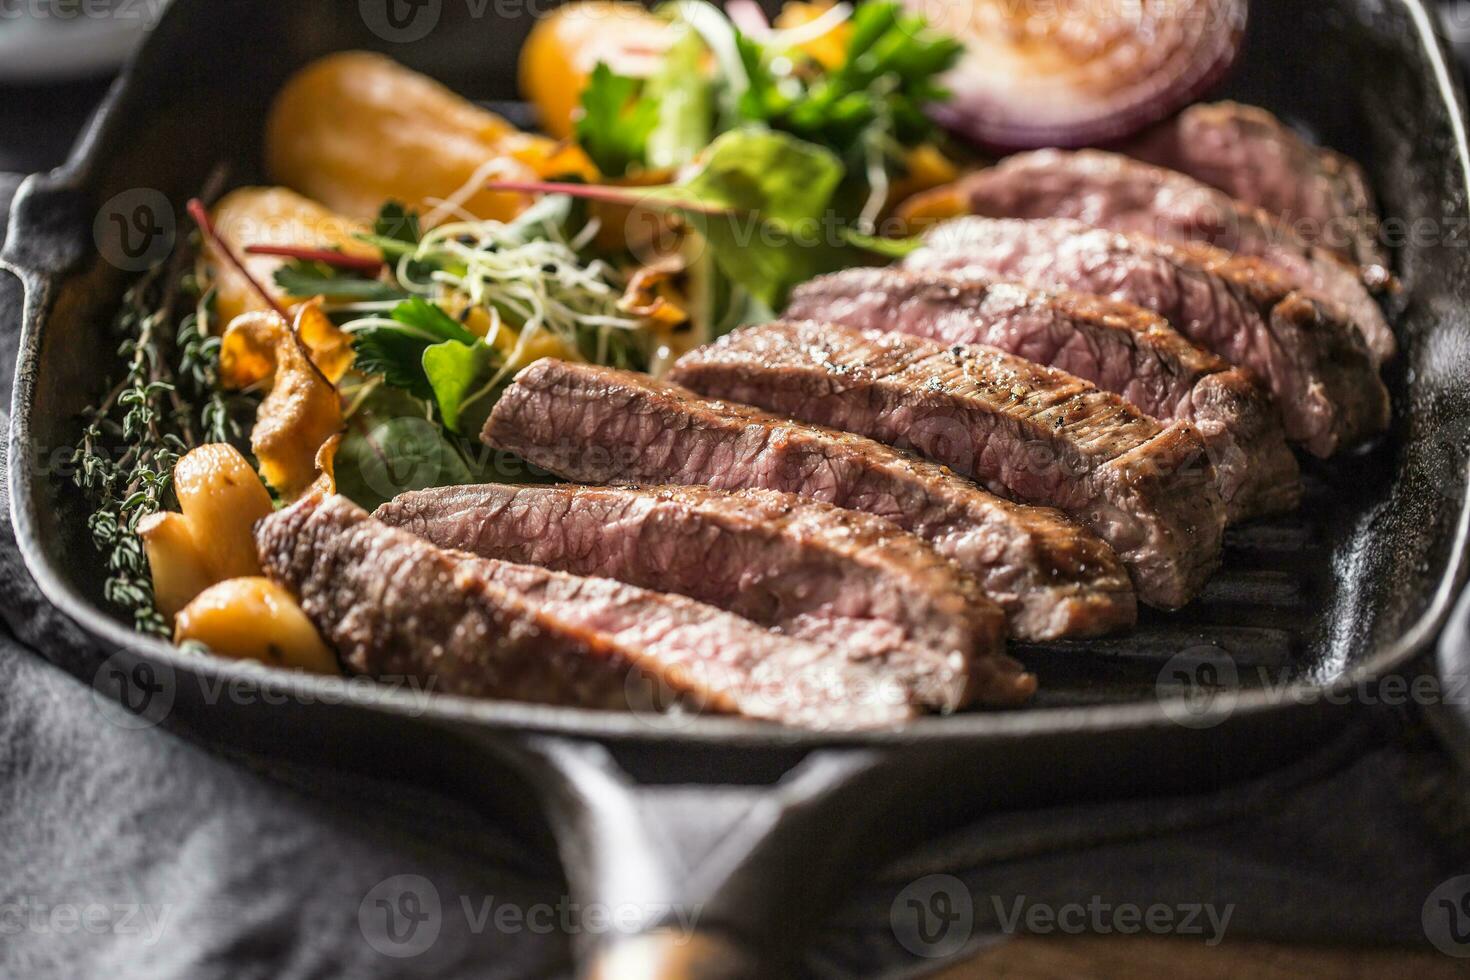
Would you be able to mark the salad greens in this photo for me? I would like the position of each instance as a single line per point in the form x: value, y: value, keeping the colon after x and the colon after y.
x: 528, y: 287
x: 866, y: 110
x: 762, y: 203
x: 781, y: 165
x: 772, y: 194
x: 876, y: 95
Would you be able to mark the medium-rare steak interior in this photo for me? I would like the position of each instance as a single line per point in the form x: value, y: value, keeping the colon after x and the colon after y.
x: 1111, y: 191
x: 395, y: 605
x: 602, y: 425
x: 1316, y: 366
x: 1254, y: 157
x: 1120, y: 348
x: 805, y: 568
x: 1032, y: 433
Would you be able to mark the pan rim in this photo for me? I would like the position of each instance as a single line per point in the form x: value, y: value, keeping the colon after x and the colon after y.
x: 512, y: 717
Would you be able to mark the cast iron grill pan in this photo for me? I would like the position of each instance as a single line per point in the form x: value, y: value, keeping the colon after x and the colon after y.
x: 1322, y: 602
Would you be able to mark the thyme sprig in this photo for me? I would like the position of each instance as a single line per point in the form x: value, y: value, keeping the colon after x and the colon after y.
x: 166, y: 402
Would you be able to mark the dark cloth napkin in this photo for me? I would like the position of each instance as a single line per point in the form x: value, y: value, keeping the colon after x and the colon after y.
x: 132, y: 851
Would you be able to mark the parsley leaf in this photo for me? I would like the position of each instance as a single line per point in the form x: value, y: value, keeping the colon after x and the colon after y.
x: 615, y: 122
x: 397, y: 223
x: 396, y: 355
x: 430, y: 321
x: 890, y: 73
x: 430, y: 355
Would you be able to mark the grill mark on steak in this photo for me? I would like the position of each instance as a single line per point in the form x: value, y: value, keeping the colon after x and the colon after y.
x: 1032, y: 433
x: 1114, y: 192
x: 395, y: 605
x: 1317, y: 367
x: 1118, y: 347
x: 803, y: 567
x: 601, y: 425
x: 1251, y: 155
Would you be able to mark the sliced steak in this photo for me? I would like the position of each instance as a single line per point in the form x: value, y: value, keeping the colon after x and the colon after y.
x: 1121, y: 194
x: 1032, y: 433
x: 1255, y: 157
x: 395, y: 605
x: 1323, y: 377
x: 600, y: 425
x: 1120, y: 348
x: 803, y: 567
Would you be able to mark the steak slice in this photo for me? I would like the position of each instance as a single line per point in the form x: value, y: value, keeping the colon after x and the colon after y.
x: 1323, y: 377
x: 395, y: 605
x: 600, y: 425
x: 1114, y: 192
x: 1120, y: 348
x: 1251, y: 155
x: 1033, y: 433
x: 800, y: 566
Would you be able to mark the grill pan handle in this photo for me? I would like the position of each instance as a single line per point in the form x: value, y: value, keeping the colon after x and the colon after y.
x: 9, y: 184
x: 1450, y: 714
x: 704, y: 882
x: 53, y: 214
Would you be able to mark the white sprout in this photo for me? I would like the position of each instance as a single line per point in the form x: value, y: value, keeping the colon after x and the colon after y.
x: 532, y: 285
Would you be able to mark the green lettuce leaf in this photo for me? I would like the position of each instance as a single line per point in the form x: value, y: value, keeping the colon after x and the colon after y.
x: 455, y: 372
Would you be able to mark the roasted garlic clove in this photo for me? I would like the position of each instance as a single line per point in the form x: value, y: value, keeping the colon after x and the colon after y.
x: 255, y: 619
x: 175, y: 563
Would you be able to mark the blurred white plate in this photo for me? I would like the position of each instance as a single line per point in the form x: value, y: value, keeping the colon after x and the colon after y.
x: 43, y: 41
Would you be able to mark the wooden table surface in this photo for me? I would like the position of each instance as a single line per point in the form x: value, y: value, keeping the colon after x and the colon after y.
x: 1139, y: 958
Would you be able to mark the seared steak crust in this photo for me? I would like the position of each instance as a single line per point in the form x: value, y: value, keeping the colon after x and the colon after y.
x: 1114, y: 192
x: 1254, y: 157
x: 803, y: 567
x: 1322, y: 375
x: 600, y: 425
x: 1033, y: 433
x: 1118, y: 347
x: 395, y: 605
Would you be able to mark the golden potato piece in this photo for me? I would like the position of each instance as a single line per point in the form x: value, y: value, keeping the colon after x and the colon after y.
x: 355, y: 129
x: 270, y: 216
x: 255, y: 619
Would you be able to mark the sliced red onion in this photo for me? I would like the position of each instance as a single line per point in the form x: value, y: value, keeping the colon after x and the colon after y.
x: 1079, y: 72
